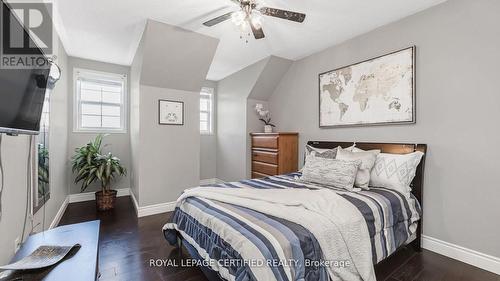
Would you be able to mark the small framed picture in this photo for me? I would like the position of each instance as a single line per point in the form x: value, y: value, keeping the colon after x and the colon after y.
x: 170, y: 112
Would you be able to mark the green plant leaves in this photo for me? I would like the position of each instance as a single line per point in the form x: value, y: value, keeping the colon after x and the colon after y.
x: 89, y: 165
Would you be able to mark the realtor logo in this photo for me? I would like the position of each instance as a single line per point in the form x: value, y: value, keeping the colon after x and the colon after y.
x: 27, y: 34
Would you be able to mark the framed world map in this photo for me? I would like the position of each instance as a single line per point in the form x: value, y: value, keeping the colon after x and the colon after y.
x: 379, y: 91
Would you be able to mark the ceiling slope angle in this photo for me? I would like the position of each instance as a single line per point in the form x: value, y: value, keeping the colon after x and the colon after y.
x: 269, y: 78
x: 257, y: 81
x: 105, y: 31
x: 175, y: 58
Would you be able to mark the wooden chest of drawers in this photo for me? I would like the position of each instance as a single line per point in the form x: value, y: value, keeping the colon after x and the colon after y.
x: 274, y: 154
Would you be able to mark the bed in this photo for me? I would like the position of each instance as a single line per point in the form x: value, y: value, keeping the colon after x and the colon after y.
x: 277, y: 228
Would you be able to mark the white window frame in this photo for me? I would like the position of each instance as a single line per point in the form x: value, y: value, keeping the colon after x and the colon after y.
x: 205, y: 91
x: 103, y: 76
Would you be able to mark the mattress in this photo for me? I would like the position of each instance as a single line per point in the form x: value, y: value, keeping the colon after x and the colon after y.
x: 390, y: 218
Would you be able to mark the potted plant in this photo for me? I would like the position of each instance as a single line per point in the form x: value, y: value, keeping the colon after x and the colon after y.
x: 265, y: 117
x: 90, y: 164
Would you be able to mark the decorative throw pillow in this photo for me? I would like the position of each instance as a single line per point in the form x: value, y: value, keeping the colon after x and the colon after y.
x: 367, y: 159
x: 395, y: 171
x: 330, y: 172
x: 330, y: 153
x: 321, y: 152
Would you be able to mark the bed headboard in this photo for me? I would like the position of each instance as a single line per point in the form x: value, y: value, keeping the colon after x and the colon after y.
x: 396, y: 148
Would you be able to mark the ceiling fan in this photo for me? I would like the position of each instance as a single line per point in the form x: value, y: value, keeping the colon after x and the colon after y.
x: 249, y: 16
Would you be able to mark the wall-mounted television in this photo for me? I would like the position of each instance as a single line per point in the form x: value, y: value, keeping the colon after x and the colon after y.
x: 22, y: 93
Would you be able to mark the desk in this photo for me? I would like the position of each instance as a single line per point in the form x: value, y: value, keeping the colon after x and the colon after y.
x: 82, y: 266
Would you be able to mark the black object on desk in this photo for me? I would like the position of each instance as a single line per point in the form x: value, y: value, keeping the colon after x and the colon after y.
x: 79, y: 265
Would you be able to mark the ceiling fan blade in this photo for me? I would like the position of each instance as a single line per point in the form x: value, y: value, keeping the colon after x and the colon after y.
x: 283, y: 14
x: 218, y: 19
x: 258, y: 33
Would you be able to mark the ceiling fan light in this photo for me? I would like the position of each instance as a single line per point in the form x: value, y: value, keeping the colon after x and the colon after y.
x: 238, y: 18
x: 244, y: 27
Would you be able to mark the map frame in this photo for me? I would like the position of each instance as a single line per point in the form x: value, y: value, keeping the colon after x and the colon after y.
x: 374, y: 122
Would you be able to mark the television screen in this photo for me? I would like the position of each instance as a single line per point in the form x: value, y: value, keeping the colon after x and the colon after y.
x: 22, y: 92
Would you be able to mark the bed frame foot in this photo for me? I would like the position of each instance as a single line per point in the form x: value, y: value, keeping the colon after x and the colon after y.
x: 179, y: 245
x: 417, y: 245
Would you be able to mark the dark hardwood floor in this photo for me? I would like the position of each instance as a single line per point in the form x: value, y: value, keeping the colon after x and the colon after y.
x: 127, y: 244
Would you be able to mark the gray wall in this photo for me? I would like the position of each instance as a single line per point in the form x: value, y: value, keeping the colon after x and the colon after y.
x: 166, y: 158
x: 232, y: 94
x: 236, y: 117
x: 134, y: 124
x: 208, y: 143
x: 14, y: 157
x: 170, y: 155
x: 117, y: 143
x: 458, y: 45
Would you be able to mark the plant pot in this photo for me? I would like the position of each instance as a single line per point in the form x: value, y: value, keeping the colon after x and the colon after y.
x: 268, y: 129
x: 105, y: 200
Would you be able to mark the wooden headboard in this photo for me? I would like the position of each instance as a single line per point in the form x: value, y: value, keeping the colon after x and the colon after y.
x: 417, y: 184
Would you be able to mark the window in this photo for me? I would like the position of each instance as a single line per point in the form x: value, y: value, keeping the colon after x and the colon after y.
x: 99, y: 102
x: 206, y: 110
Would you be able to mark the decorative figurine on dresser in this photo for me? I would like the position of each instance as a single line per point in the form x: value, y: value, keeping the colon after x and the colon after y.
x: 274, y: 154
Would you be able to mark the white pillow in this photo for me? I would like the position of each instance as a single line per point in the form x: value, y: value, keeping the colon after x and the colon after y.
x: 395, y: 171
x: 367, y: 161
x: 330, y: 172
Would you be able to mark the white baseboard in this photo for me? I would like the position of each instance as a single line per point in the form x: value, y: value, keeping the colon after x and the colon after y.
x: 89, y: 196
x: 155, y: 209
x: 211, y: 181
x: 475, y: 258
x: 134, y: 201
x: 144, y: 211
x: 60, y: 213
x: 150, y: 210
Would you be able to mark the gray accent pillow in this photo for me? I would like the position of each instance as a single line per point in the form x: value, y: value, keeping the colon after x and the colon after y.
x: 330, y: 172
x: 330, y: 153
x: 367, y: 161
x: 321, y: 152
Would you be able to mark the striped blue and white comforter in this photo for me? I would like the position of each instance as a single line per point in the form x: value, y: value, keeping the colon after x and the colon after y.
x: 256, y: 245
